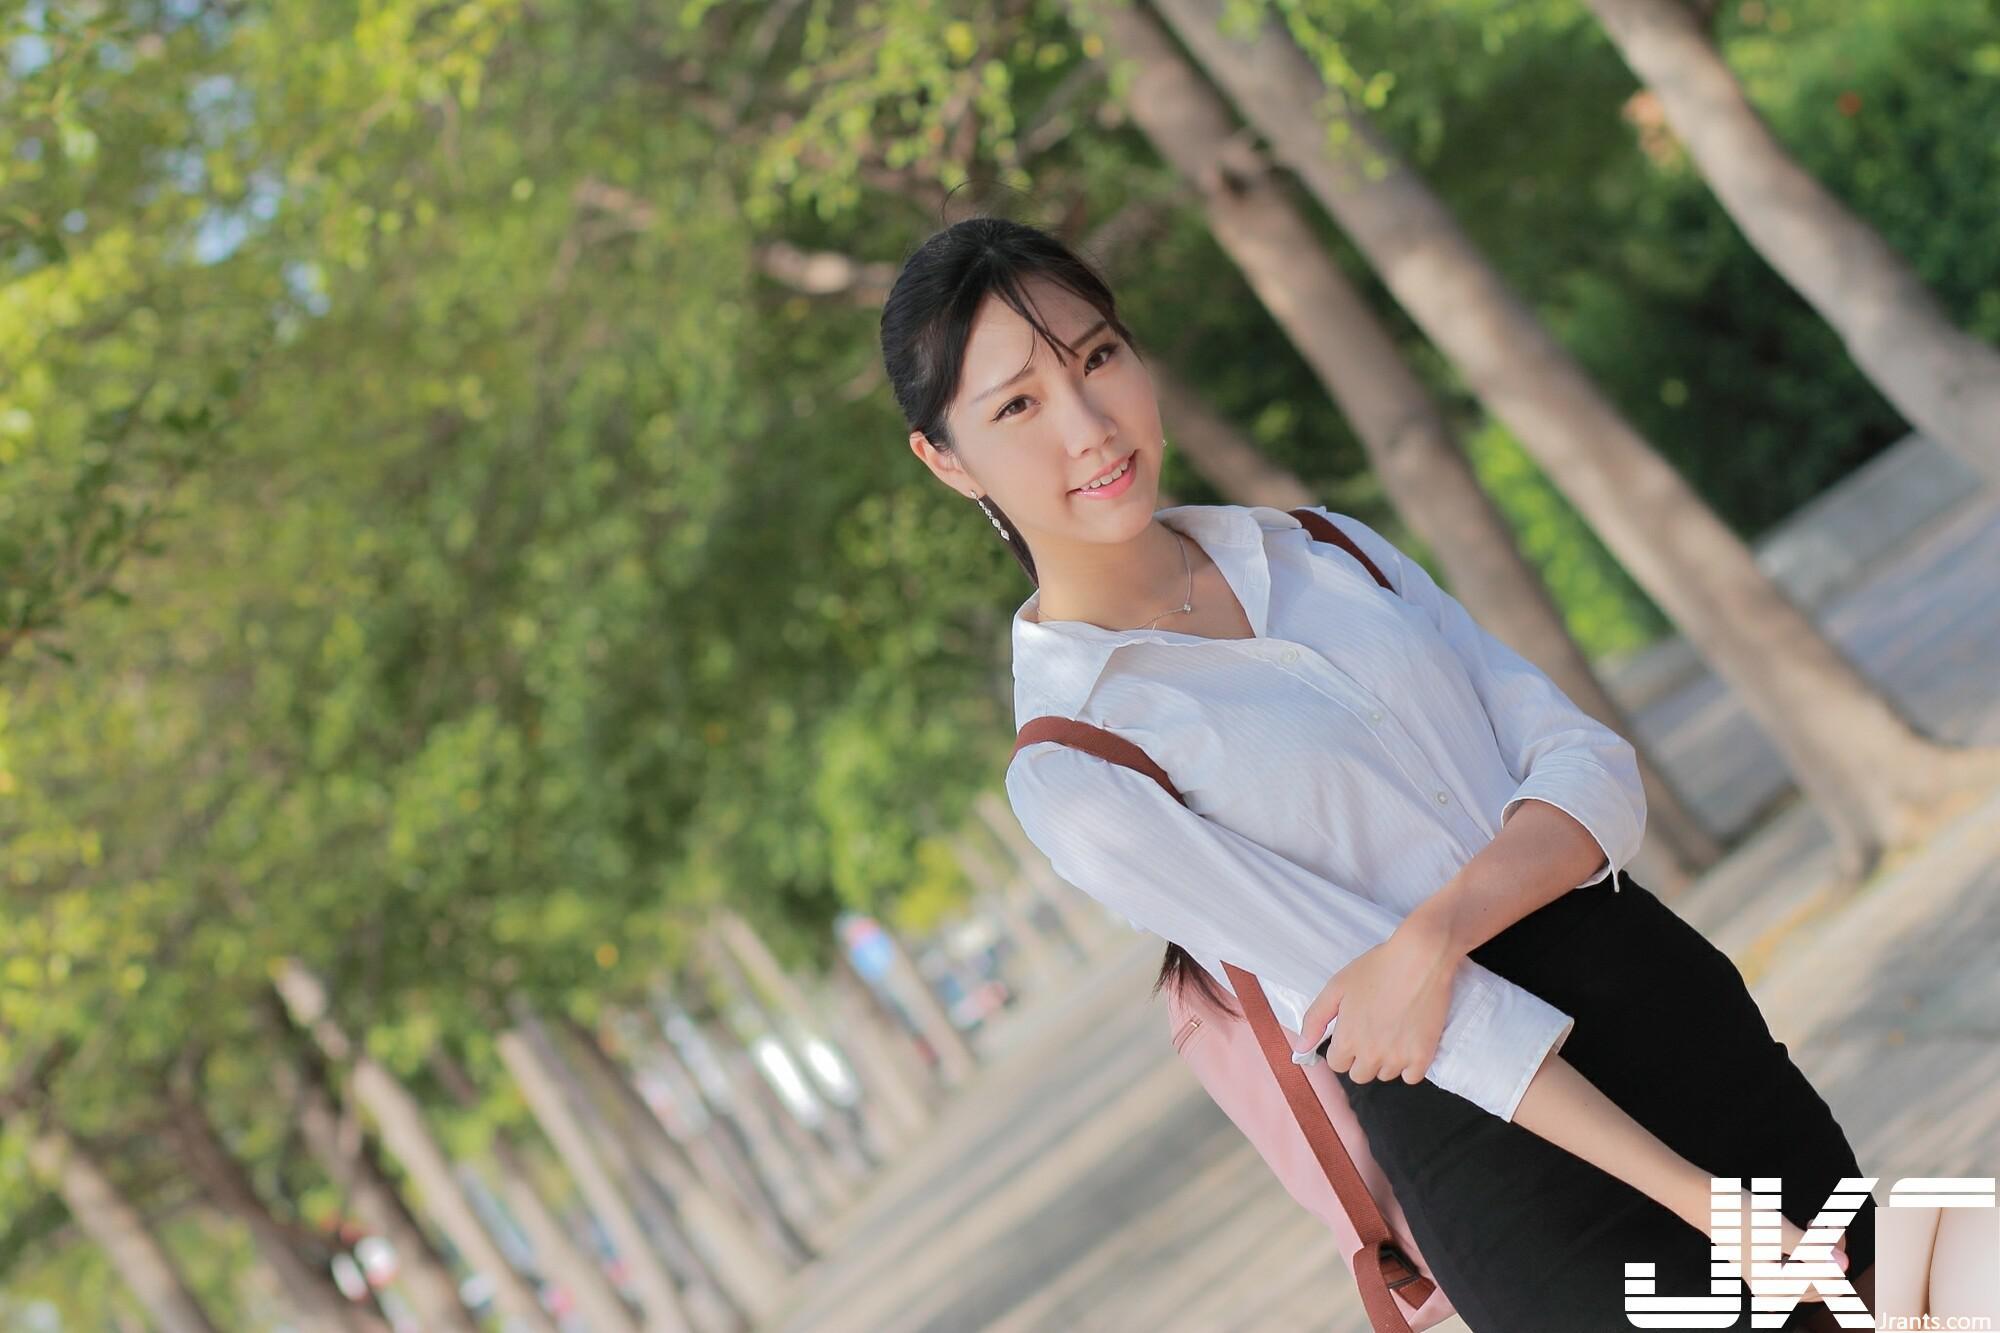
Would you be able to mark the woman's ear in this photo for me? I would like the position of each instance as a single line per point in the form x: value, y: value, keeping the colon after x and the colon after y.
x: 943, y: 464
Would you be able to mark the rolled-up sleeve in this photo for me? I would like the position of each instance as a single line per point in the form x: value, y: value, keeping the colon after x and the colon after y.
x: 1556, y: 752
x: 1118, y: 836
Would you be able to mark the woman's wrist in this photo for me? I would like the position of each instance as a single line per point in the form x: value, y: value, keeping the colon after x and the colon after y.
x: 1687, y: 1197
x: 1428, y: 931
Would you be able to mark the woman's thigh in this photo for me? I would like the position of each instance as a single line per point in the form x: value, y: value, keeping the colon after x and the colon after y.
x: 1965, y: 1264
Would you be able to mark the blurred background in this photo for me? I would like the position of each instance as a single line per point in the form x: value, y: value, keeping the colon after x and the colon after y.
x: 500, y: 742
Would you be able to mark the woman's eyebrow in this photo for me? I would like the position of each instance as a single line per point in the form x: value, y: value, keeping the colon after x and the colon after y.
x: 1018, y: 375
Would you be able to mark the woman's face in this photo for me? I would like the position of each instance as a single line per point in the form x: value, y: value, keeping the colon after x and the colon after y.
x: 1030, y: 430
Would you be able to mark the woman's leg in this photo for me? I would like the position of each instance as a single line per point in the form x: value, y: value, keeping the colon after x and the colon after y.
x: 1965, y: 1263
x: 1904, y: 1238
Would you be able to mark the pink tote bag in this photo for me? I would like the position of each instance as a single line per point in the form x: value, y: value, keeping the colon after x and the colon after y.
x: 1222, y: 1051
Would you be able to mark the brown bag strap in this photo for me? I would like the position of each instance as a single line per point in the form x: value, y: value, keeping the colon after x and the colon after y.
x: 1325, y: 530
x: 1095, y: 740
x: 1391, y: 1270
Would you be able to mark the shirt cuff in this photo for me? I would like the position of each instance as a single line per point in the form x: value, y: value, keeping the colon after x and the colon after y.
x: 1594, y: 799
x: 1498, y: 1046
x: 1549, y: 1044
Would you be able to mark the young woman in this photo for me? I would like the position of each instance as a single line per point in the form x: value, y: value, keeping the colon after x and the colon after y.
x: 1403, y: 828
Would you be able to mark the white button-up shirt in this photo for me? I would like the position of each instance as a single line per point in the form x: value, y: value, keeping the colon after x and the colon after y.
x: 1339, y: 767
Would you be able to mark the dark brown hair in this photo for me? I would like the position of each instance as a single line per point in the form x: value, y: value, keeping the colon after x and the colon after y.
x: 926, y: 321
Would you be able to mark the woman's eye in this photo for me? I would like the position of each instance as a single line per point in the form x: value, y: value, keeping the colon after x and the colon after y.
x: 1110, y: 347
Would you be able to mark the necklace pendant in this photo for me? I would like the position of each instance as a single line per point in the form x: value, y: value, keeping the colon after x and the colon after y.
x: 1185, y: 606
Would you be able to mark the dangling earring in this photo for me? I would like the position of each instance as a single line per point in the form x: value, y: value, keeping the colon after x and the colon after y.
x: 992, y: 517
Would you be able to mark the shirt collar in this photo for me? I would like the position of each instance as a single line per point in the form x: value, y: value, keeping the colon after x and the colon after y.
x: 1058, y: 662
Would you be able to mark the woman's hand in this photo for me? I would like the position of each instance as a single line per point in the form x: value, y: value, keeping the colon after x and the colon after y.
x: 1392, y: 1003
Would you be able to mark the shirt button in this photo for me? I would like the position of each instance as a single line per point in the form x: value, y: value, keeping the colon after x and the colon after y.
x: 1443, y: 798
x: 1374, y: 715
x: 1289, y: 656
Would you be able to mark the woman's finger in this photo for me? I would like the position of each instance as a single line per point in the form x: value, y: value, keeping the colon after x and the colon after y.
x: 1318, y: 1017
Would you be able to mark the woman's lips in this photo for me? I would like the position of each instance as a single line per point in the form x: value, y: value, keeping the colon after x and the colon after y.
x: 1116, y: 488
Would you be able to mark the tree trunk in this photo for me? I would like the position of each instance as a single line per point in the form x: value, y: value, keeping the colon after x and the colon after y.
x: 708, y: 1304
x: 118, y: 1228
x: 1220, y: 453
x: 795, y: 1022
x: 1037, y: 962
x: 792, y: 1002
x: 837, y: 1133
x: 408, y: 1137
x: 1943, y: 380
x: 306, y: 1282
x: 833, y: 1188
x: 565, y: 1261
x: 901, y: 1111
x: 747, y: 1125
x: 751, y: 1277
x: 531, y: 1061
x: 763, y: 967
x: 1876, y: 781
x: 956, y: 1060
x: 764, y: 1117
x: 898, y: 1040
x: 347, y: 1155
x: 712, y: 1110
x: 672, y: 1097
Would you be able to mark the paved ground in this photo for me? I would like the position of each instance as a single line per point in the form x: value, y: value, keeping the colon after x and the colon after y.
x: 1078, y: 1183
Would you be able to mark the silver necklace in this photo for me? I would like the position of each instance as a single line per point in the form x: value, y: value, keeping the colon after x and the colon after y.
x: 1187, y: 602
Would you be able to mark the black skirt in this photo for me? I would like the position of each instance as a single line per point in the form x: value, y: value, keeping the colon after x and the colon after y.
x: 1525, y: 1237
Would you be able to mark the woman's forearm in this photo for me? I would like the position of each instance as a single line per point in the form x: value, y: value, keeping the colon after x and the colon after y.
x: 1564, y: 1107
x: 1539, y: 855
